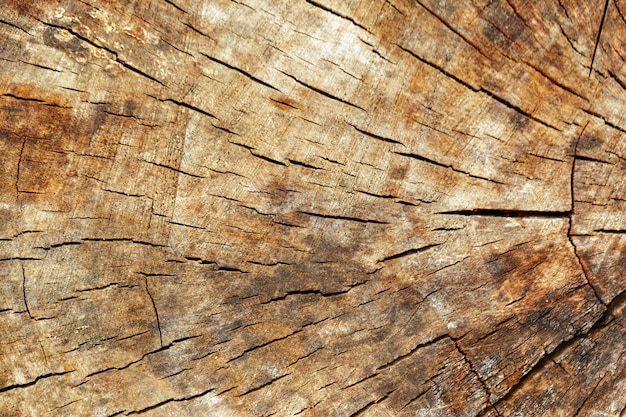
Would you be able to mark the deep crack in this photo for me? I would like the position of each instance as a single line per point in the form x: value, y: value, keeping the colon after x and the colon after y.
x: 570, y: 215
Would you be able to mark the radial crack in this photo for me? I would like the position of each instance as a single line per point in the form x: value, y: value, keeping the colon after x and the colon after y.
x: 409, y: 252
x: 571, y: 214
x: 156, y: 313
x: 34, y: 381
x: 24, y: 291
x: 593, y: 57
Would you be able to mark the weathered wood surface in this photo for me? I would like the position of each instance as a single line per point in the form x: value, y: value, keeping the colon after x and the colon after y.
x: 312, y: 208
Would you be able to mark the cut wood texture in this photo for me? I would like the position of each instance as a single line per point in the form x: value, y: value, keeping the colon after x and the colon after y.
x: 312, y: 208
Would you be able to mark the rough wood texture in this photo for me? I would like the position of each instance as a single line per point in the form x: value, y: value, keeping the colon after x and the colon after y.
x: 312, y: 208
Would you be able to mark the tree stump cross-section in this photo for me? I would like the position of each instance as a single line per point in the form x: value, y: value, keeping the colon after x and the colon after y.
x: 312, y: 208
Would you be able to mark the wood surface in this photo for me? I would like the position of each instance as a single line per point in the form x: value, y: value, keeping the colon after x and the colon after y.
x: 312, y: 208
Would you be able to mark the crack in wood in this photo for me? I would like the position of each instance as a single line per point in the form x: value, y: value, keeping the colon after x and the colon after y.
x: 483, y: 90
x: 240, y: 71
x: 483, y: 383
x: 590, y: 159
x: 452, y: 29
x: 304, y: 165
x: 377, y: 137
x: 152, y: 352
x: 34, y: 381
x: 417, y: 347
x: 409, y: 252
x: 312, y: 292
x: 171, y: 3
x: 24, y: 292
x: 169, y: 400
x: 607, y: 317
x: 14, y: 26
x: 35, y: 100
x: 263, y: 385
x: 156, y: 312
x: 339, y: 15
x: 104, y: 48
x: 431, y: 161
x: 575, y: 156
x: 347, y: 218
x: 604, y: 119
x: 595, y: 48
x: 508, y: 213
x: 185, y: 105
x: 19, y: 164
x: 322, y: 92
